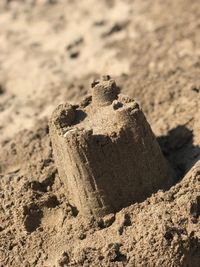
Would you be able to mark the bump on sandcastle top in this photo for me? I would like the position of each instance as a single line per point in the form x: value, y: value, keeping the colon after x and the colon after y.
x: 104, y: 92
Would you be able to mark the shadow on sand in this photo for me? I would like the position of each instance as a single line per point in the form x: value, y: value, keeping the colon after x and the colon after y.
x: 179, y: 150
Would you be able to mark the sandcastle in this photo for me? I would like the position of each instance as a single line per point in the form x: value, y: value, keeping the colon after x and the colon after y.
x: 105, y: 151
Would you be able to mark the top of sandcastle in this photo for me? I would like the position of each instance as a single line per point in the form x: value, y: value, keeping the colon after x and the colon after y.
x: 102, y: 113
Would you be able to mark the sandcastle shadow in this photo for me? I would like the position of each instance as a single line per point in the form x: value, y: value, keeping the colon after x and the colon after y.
x: 179, y: 149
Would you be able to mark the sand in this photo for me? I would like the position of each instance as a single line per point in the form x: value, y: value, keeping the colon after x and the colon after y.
x: 51, y: 51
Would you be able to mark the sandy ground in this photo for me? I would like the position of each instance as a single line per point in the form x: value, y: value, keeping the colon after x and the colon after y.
x: 50, y: 51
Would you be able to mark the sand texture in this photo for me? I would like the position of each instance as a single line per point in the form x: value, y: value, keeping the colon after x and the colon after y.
x: 131, y: 143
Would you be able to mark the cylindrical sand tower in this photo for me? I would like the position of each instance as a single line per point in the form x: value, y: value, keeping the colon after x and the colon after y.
x: 105, y: 152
